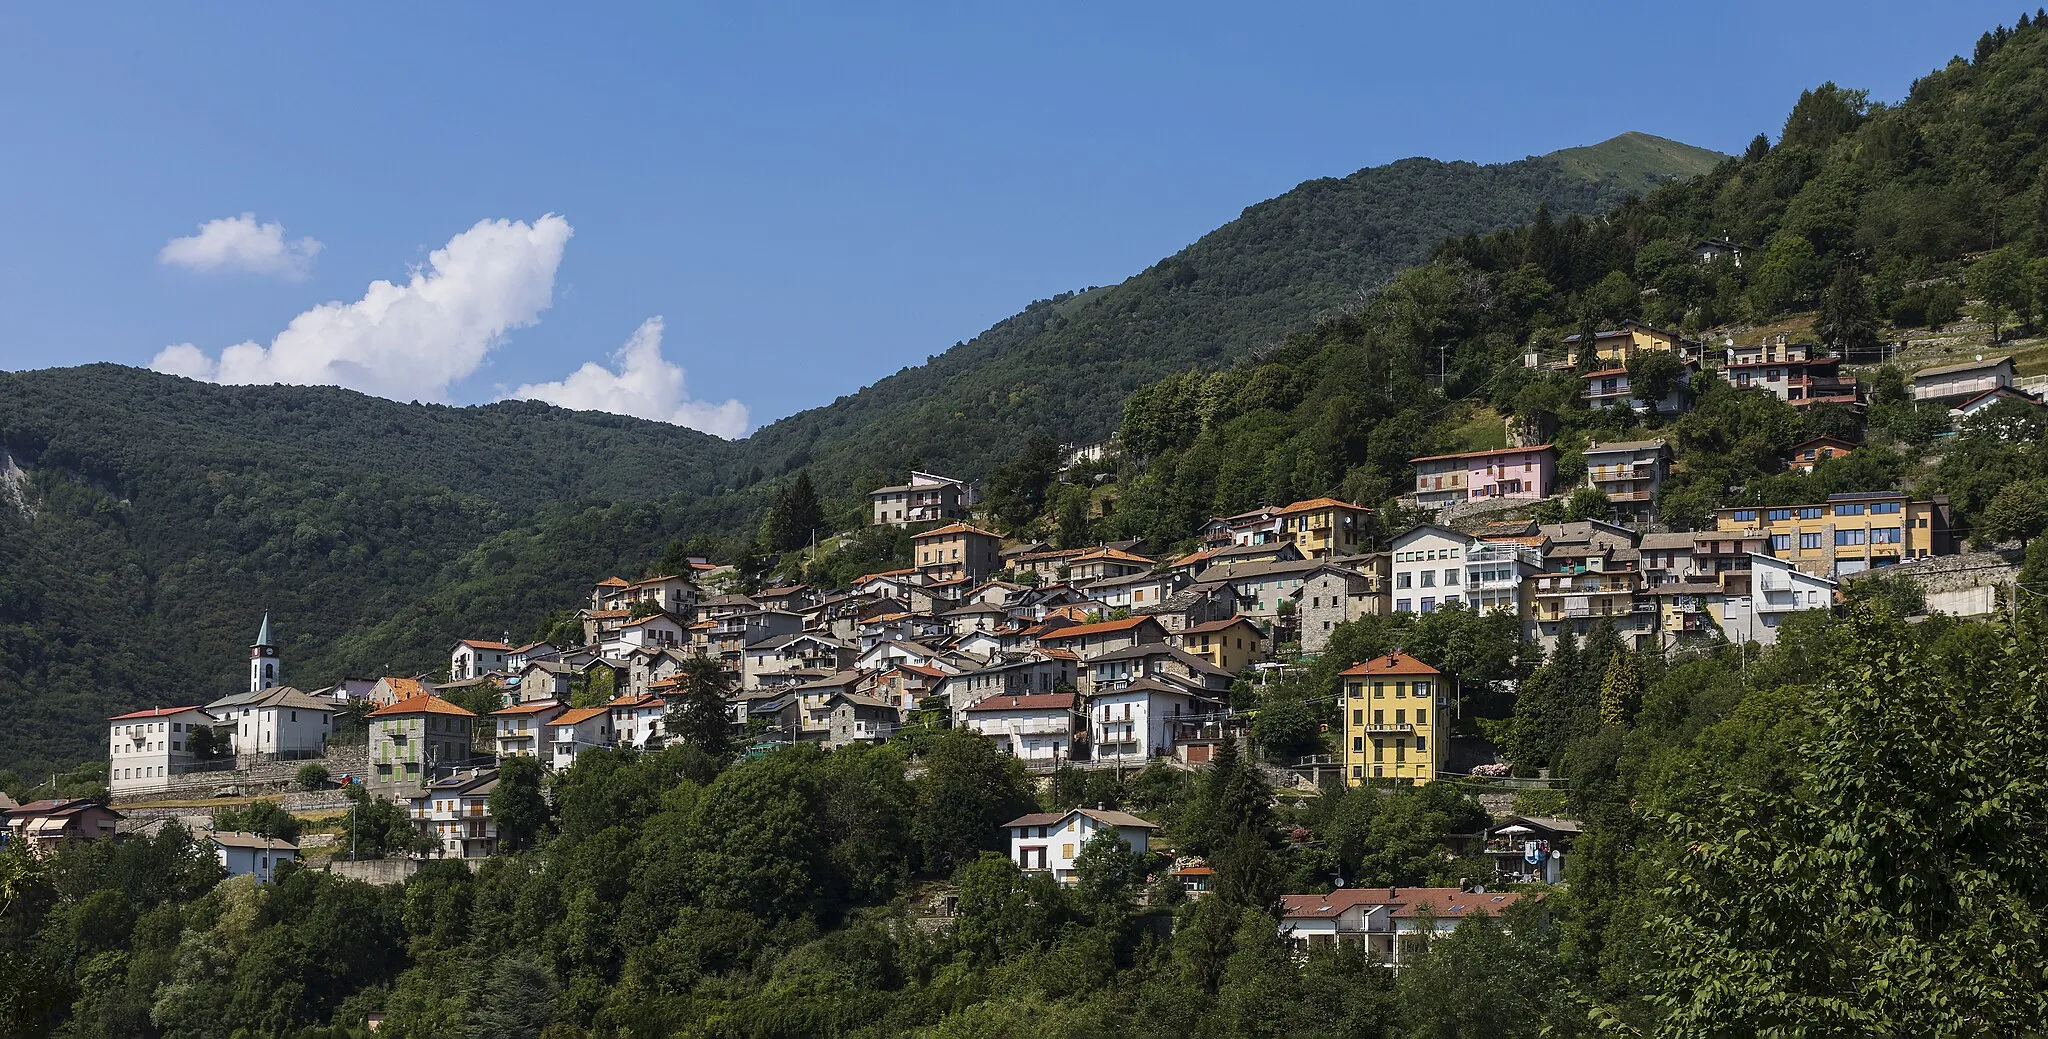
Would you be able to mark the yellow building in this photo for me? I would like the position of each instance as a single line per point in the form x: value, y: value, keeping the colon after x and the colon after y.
x: 1324, y: 527
x: 1616, y: 346
x: 1393, y: 720
x: 957, y: 550
x: 1849, y: 533
x: 1230, y: 644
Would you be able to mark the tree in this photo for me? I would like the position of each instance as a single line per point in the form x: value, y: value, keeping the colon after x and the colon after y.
x: 264, y: 818
x: 311, y: 776
x: 1847, y: 321
x: 1073, y: 530
x: 1787, y: 275
x: 1895, y: 888
x: 967, y: 792
x: 1621, y: 689
x: 1108, y: 873
x: 2018, y: 512
x: 1284, y: 728
x: 1823, y: 114
x: 207, y: 744
x: 1586, y: 503
x: 796, y: 516
x: 1653, y: 375
x: 516, y: 804
x: 2000, y: 279
x: 696, y: 714
x: 1016, y: 491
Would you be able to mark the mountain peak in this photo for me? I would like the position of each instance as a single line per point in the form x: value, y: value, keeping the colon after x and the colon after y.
x: 1635, y: 158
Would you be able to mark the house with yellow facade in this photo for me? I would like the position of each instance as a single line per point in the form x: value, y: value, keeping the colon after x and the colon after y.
x: 1849, y: 533
x: 1615, y: 346
x: 956, y: 551
x: 1394, y: 722
x: 1324, y: 527
x: 1230, y: 644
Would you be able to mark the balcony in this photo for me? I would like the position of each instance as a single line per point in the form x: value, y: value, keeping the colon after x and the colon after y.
x: 1628, y: 495
x: 1393, y: 728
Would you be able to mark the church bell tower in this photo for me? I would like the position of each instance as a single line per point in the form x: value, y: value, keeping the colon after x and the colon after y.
x: 263, y: 661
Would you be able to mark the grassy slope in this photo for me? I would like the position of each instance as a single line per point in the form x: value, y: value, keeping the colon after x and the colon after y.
x: 1638, y: 159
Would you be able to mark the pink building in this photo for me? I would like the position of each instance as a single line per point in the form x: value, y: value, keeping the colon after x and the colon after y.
x: 1508, y: 472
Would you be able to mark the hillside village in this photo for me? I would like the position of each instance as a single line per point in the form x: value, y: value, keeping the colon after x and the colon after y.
x: 1110, y: 657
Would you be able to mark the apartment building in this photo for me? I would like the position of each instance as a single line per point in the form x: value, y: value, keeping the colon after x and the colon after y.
x: 1849, y: 533
x: 1394, y: 720
x: 1629, y: 473
x: 1525, y: 473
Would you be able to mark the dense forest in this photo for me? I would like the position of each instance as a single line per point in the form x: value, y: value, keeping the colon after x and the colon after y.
x: 1823, y: 839
x: 158, y: 518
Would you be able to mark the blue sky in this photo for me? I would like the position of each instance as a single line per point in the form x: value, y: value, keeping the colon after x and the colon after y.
x: 808, y: 199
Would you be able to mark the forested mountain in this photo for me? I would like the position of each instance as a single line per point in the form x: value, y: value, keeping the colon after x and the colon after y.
x: 1064, y: 366
x: 161, y: 516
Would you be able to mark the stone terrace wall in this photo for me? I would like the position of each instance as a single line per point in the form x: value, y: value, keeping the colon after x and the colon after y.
x: 268, y: 777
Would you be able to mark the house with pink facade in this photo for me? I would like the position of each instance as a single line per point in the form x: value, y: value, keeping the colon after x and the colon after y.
x: 1507, y: 472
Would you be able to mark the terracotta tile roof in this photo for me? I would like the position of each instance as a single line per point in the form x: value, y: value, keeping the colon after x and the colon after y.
x: 1060, y: 654
x: 613, y: 582
x: 885, y: 573
x: 1318, y: 504
x: 485, y: 644
x: 1481, y: 454
x: 404, y: 688
x: 156, y: 712
x: 658, y: 580
x: 528, y: 708
x: 1111, y: 553
x: 1407, y: 902
x: 424, y: 703
x: 1222, y: 625
x: 1100, y: 628
x: 600, y: 615
x: 650, y: 618
x: 1395, y: 663
x: 578, y: 716
x: 951, y: 529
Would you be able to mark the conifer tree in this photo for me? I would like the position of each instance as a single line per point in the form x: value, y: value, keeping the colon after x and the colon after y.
x: 1621, y: 689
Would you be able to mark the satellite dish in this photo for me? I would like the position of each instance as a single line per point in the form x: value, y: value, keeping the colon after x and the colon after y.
x: 1339, y: 882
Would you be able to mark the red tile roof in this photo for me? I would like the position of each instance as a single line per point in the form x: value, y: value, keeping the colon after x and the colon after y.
x: 613, y: 582
x: 580, y: 714
x: 481, y: 644
x: 1100, y: 628
x: 1028, y: 702
x: 1222, y: 625
x: 155, y: 712
x: 1442, y: 902
x: 424, y: 703
x: 1395, y: 663
x: 951, y: 529
x: 1318, y: 504
x: 529, y: 708
x: 1481, y: 454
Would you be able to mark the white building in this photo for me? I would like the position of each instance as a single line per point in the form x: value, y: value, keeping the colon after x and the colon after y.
x: 279, y: 722
x: 1389, y: 924
x: 637, y: 718
x: 456, y: 811
x: 1429, y: 568
x: 1052, y: 840
x: 522, y: 729
x: 473, y: 657
x: 1777, y: 589
x: 251, y: 853
x: 146, y: 748
x: 264, y: 662
x: 1034, y: 727
x: 573, y: 732
x: 1139, y: 720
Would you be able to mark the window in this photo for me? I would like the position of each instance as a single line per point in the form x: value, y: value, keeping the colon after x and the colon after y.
x: 1403, y: 579
x: 1422, y: 716
x: 1781, y: 542
x: 1849, y: 537
x: 1400, y: 748
x: 1422, y: 690
x: 1357, y: 744
x: 1450, y: 577
x: 1809, y: 541
x: 1421, y: 743
x: 1379, y: 718
x: 1400, y: 717
x: 1400, y: 690
x: 1745, y: 515
x: 1379, y: 690
x: 1379, y: 752
x: 1778, y: 515
x: 1357, y: 716
x: 1849, y: 510
x: 1428, y: 603
x: 1404, y: 606
x: 1429, y: 579
x: 1378, y: 771
x: 1812, y: 512
x: 1358, y: 771
x: 1887, y: 507
x: 1886, y: 536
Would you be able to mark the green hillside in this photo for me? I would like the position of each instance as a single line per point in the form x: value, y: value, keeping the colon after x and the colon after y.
x: 169, y: 514
x: 1064, y: 366
x: 1637, y: 158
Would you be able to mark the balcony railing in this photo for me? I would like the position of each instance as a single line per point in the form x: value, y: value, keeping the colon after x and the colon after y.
x: 1390, y: 727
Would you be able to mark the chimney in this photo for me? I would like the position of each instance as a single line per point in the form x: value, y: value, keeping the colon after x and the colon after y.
x: 1465, y: 884
x: 1393, y: 892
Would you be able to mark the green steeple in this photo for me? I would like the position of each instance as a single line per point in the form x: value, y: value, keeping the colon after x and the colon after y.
x: 263, y: 635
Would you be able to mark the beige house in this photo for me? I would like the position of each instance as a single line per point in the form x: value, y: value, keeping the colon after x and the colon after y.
x: 956, y: 551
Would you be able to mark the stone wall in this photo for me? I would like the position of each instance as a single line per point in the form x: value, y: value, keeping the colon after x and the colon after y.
x: 270, y: 777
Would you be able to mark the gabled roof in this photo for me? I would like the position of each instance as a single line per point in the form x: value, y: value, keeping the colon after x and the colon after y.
x: 1026, y: 702
x: 578, y: 716
x: 1144, y: 650
x: 1998, y: 391
x: 1099, y: 628
x: 403, y: 688
x: 1101, y: 815
x: 1483, y: 454
x: 424, y: 703
x: 952, y: 529
x: 1968, y: 366
x: 1445, y: 903
x: 529, y: 708
x: 1394, y: 663
x: 613, y: 582
x: 1223, y: 625
x: 154, y: 712
x: 238, y: 839
x: 1319, y: 504
x: 1629, y: 446
x: 485, y: 644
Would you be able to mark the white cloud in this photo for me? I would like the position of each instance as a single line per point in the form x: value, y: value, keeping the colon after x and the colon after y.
x: 645, y: 385
x: 411, y: 341
x: 239, y: 243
